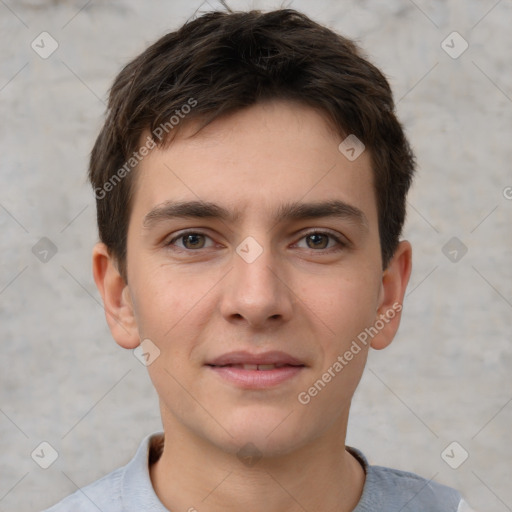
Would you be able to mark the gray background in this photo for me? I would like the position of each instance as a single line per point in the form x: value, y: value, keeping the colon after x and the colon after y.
x: 447, y: 375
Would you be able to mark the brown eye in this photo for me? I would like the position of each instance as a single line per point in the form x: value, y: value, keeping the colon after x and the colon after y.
x: 319, y: 240
x: 193, y: 241
x: 323, y: 241
x: 189, y: 241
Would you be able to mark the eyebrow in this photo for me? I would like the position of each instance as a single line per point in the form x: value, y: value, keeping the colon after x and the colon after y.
x: 291, y: 211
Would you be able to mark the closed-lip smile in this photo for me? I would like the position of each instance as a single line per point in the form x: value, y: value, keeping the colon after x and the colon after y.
x: 249, y: 370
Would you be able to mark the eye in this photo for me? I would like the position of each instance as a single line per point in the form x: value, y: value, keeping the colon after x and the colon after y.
x: 321, y: 240
x: 190, y: 240
x: 316, y: 240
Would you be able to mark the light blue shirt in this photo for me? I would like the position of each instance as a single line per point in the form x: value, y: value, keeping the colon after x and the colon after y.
x: 129, y: 489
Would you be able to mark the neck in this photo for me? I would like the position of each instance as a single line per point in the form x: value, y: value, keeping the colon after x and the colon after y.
x: 193, y: 475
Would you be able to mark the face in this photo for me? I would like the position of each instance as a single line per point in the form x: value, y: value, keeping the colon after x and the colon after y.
x: 255, y: 242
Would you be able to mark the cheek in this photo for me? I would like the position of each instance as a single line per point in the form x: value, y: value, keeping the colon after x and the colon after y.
x: 157, y: 306
x: 345, y: 305
x: 171, y: 305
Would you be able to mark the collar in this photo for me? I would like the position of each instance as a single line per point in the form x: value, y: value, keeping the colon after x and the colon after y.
x: 138, y: 493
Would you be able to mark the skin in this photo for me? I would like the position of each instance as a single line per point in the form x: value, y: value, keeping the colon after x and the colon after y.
x: 197, y: 299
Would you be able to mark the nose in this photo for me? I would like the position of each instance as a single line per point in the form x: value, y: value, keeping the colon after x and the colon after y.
x: 258, y: 290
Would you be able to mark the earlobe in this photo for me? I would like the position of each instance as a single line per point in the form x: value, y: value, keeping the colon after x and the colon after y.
x: 394, y: 283
x: 119, y: 311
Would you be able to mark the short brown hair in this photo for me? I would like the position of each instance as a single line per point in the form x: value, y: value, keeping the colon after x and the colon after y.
x: 226, y: 61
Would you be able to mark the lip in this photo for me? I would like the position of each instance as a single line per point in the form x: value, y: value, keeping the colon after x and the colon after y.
x: 243, y: 357
x: 253, y: 378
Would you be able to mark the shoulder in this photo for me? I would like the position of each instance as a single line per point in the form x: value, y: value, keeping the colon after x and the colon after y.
x: 104, y: 495
x: 393, y: 489
x: 414, y: 492
x: 128, y: 487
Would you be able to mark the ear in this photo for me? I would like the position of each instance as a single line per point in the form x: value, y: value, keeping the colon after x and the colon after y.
x: 117, y: 301
x: 394, y: 283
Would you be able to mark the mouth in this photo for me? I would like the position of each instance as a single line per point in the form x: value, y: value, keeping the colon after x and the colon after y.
x: 256, y: 371
x: 251, y: 361
x: 259, y: 367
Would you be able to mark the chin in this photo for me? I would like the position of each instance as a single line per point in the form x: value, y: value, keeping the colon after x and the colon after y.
x: 267, y: 434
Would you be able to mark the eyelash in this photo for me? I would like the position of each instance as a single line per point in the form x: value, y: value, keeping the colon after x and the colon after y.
x: 342, y: 244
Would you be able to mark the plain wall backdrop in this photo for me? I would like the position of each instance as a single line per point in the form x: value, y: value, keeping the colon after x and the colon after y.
x: 446, y: 377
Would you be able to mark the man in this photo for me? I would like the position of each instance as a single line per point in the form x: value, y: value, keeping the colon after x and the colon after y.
x: 251, y: 179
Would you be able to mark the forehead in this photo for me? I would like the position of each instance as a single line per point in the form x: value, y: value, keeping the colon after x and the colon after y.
x: 255, y: 160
